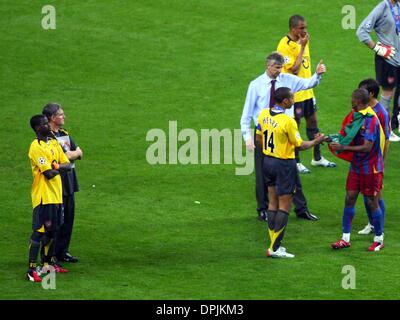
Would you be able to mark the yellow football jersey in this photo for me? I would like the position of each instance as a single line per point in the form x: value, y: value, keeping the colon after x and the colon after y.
x: 290, y: 51
x: 280, y: 134
x: 42, y: 155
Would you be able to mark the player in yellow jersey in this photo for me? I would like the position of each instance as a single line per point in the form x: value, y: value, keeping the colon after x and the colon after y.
x: 47, y: 159
x: 295, y: 49
x: 279, y: 136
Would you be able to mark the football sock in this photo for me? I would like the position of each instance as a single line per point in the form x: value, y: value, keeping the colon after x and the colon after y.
x: 317, y: 149
x: 346, y: 237
x: 281, y: 221
x: 383, y: 209
x: 368, y: 210
x: 348, y: 215
x: 385, y: 102
x: 46, y: 245
x: 34, y: 246
x: 377, y: 221
x: 271, y: 222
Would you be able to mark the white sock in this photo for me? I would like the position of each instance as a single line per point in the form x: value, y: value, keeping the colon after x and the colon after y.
x: 346, y: 237
x: 378, y: 238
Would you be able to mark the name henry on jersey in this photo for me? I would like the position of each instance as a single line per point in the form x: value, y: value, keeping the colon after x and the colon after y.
x: 270, y: 121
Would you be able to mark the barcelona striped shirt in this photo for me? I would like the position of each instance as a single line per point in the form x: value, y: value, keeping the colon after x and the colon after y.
x: 384, y: 119
x: 368, y: 162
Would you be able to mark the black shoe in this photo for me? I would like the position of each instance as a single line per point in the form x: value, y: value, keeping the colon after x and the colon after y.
x: 262, y: 215
x: 307, y: 215
x: 69, y: 258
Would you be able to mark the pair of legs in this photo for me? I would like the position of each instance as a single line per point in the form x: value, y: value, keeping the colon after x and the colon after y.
x: 369, y: 227
x: 299, y: 198
x: 388, y: 77
x: 64, y: 233
x: 375, y: 214
x: 370, y: 186
x: 281, y: 178
x: 386, y: 97
x: 308, y: 110
x: 45, y: 221
x: 41, y: 240
x: 278, y: 216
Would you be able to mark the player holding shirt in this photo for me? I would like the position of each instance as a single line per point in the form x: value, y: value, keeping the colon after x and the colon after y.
x: 372, y: 86
x: 366, y: 169
x: 278, y: 136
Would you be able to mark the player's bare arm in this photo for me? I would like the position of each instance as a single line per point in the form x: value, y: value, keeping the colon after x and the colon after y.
x: 319, y: 138
x: 51, y: 173
x: 74, y: 155
x: 259, y: 140
x: 303, y: 42
x: 366, y: 147
x: 62, y: 166
x: 386, y: 149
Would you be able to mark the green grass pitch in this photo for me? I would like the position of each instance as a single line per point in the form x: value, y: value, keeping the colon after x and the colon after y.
x: 121, y: 68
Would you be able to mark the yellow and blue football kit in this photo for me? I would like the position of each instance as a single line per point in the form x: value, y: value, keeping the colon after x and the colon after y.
x: 42, y: 154
x: 290, y: 50
x: 280, y: 134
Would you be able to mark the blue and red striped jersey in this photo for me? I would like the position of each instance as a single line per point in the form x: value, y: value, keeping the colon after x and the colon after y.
x: 368, y: 162
x: 384, y: 119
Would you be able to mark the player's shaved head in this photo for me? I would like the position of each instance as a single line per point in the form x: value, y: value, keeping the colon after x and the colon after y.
x: 37, y: 121
x: 371, y: 85
x: 295, y: 20
x: 361, y: 95
x: 282, y: 94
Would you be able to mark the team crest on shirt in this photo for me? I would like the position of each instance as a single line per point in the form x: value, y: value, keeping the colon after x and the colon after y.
x: 306, y: 63
x: 368, y: 25
x: 286, y: 59
x: 42, y: 160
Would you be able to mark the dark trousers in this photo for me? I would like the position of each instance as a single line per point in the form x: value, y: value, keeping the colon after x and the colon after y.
x: 64, y: 233
x: 394, y: 122
x: 299, y: 200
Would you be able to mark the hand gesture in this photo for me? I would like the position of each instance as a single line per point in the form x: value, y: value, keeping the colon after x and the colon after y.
x: 321, y: 68
x: 304, y: 40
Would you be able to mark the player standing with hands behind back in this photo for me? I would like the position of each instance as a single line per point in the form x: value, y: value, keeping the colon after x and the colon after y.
x: 384, y: 19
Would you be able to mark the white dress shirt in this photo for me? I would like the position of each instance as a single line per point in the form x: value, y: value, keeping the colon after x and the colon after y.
x: 258, y: 96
